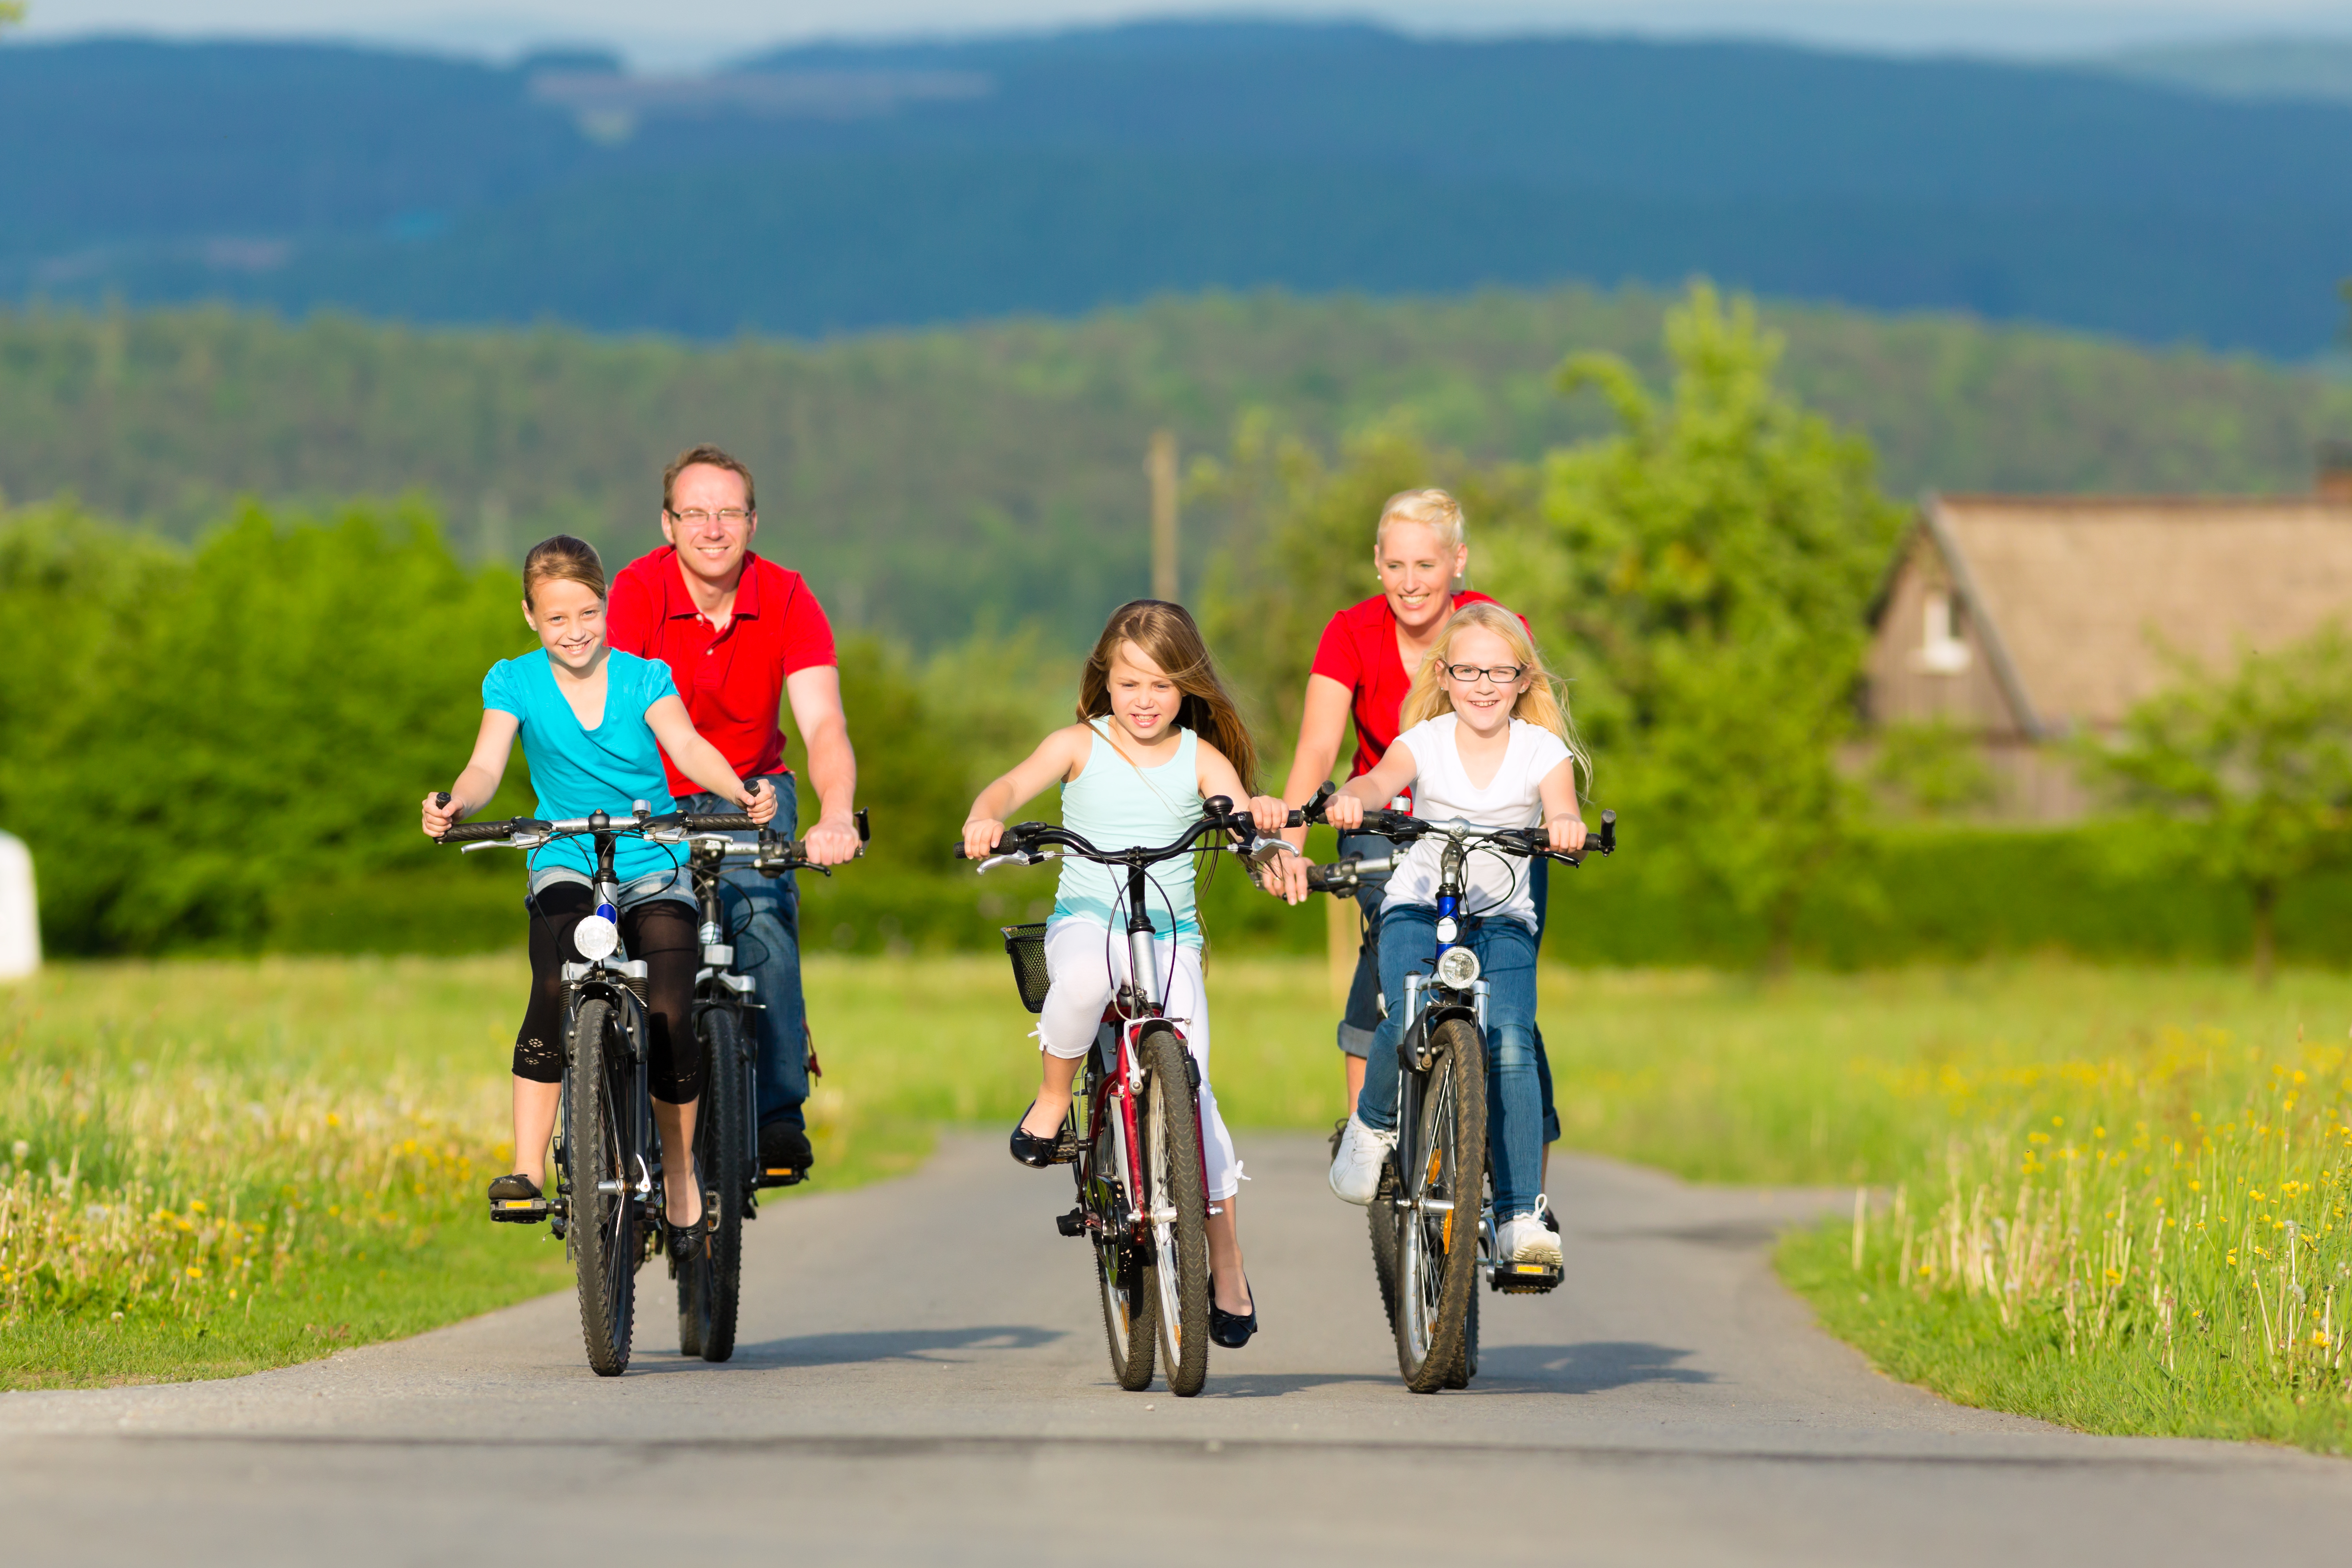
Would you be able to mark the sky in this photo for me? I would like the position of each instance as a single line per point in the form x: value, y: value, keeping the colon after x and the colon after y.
x: 692, y: 34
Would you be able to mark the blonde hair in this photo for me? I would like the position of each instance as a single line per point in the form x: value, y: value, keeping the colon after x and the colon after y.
x: 1434, y: 510
x: 562, y: 559
x: 1540, y: 704
x: 1170, y: 639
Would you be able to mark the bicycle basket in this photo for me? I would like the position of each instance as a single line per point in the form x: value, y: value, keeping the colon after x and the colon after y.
x: 1026, y: 945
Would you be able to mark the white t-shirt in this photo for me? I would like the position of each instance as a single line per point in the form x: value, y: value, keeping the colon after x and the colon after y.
x: 1495, y: 883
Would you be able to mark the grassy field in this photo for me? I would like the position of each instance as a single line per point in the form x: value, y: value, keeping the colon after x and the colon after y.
x: 2111, y: 1197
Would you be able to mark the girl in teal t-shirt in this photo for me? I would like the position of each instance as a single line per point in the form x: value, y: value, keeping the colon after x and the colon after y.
x: 594, y: 725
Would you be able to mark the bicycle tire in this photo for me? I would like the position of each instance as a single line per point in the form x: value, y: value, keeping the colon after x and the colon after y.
x: 1465, y: 1365
x: 605, y: 1225
x: 1129, y: 1288
x: 1178, y: 1205
x: 1381, y: 1219
x: 1437, y: 1258
x: 724, y: 1155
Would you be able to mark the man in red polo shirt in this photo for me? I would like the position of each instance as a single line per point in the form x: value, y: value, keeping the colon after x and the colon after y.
x: 741, y: 635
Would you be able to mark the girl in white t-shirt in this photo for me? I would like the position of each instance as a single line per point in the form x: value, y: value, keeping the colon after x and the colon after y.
x: 1487, y: 741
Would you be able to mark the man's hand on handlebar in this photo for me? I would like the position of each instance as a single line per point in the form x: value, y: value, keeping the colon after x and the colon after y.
x: 981, y: 837
x: 833, y: 840
x: 1567, y: 834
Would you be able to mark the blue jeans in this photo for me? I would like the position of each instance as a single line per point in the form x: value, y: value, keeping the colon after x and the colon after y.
x: 1515, y: 1120
x: 763, y: 920
x: 1362, y: 1018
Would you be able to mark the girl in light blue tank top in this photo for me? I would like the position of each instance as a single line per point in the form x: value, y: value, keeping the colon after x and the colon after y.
x: 1157, y: 734
x: 1114, y: 803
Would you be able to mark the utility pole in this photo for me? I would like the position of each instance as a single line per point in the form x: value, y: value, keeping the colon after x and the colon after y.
x: 1161, y: 468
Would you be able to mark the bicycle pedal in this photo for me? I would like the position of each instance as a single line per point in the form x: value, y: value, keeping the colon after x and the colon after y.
x: 518, y: 1211
x: 1525, y: 1279
x: 1072, y: 1223
x: 780, y: 1177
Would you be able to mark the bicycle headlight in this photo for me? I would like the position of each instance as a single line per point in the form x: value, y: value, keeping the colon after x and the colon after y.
x: 596, y: 937
x: 1458, y: 969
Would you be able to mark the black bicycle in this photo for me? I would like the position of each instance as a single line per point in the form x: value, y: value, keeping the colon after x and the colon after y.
x: 725, y: 1133
x: 1133, y: 1133
x: 1439, y: 1167
x: 607, y: 1164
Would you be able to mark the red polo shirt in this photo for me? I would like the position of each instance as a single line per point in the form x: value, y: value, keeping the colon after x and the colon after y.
x: 732, y: 681
x: 1359, y: 650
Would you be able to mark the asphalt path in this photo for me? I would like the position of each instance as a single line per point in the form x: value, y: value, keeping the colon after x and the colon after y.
x: 921, y: 1378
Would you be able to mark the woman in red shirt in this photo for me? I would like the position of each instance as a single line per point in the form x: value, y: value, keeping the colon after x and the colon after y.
x: 1363, y: 667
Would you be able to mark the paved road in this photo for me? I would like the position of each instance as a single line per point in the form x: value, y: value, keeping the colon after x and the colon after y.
x: 922, y: 1379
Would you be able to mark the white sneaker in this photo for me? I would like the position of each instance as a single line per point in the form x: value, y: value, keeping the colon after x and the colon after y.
x: 1356, y: 1170
x: 1525, y: 1240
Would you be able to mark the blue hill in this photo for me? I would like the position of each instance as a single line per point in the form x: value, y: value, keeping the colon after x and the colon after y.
x: 834, y: 188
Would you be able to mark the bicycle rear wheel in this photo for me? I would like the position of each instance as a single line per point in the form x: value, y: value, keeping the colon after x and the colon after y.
x: 1177, y: 1204
x: 1437, y: 1255
x: 1380, y: 1218
x: 724, y: 1157
x: 606, y: 1215
x: 1130, y: 1290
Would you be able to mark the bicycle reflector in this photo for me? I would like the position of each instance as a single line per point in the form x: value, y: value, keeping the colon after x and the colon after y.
x: 1458, y: 968
x: 596, y: 937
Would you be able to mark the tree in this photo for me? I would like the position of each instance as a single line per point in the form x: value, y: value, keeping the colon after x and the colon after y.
x: 2255, y: 763
x: 1706, y: 573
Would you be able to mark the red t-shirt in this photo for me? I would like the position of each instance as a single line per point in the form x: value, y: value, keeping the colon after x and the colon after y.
x: 1359, y: 650
x: 732, y: 681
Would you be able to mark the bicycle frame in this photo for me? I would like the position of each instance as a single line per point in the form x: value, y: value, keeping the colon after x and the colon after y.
x: 619, y: 980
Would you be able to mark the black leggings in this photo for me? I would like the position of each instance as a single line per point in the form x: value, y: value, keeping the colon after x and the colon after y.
x: 662, y: 933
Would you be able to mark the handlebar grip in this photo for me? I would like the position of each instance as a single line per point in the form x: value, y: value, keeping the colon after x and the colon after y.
x: 709, y: 821
x: 1322, y: 878
x: 1314, y: 808
x: 959, y: 851
x: 478, y: 832
x: 1608, y: 844
x: 865, y: 828
x: 440, y: 797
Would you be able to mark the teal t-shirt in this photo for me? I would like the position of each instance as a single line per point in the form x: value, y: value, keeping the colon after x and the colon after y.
x: 577, y: 770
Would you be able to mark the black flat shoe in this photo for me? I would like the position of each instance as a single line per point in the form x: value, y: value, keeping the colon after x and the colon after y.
x: 1229, y: 1330
x: 1039, y: 1152
x: 513, y: 1188
x: 688, y: 1243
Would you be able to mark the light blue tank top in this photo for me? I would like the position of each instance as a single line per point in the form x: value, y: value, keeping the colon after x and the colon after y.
x: 1115, y: 804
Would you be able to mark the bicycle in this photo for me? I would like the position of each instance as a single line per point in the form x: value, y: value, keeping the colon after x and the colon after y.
x: 726, y: 1136
x: 1143, y: 1180
x: 607, y: 1165
x: 1428, y: 1285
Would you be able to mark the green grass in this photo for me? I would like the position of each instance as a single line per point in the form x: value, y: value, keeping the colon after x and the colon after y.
x: 2024, y: 1132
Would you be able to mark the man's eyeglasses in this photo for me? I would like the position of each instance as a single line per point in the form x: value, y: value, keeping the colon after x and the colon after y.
x: 695, y: 517
x: 1500, y: 674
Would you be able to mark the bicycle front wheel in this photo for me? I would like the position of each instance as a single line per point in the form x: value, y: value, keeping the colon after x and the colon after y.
x: 605, y: 1213
x: 1437, y: 1252
x: 1130, y: 1290
x: 724, y: 1157
x: 1176, y: 1201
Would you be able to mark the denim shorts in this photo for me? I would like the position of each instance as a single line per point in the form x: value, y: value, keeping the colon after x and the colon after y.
x: 649, y: 889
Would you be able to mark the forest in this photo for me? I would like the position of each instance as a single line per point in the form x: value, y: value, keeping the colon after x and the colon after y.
x: 933, y: 483
x: 1696, y: 537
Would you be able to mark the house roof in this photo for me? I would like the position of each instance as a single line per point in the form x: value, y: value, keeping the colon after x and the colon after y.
x: 2076, y: 599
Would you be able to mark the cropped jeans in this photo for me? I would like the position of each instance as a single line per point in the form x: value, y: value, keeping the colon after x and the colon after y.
x: 1514, y: 1118
x: 763, y: 920
x: 1362, y: 1018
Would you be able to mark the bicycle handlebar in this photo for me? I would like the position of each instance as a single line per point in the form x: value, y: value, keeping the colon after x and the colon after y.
x: 1027, y: 841
x: 1532, y: 842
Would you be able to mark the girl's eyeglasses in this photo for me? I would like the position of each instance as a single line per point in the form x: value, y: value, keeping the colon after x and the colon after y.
x: 1500, y: 674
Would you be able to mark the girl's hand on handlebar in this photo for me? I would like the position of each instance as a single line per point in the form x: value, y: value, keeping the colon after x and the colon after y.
x: 760, y: 802
x: 981, y: 837
x: 1271, y: 813
x: 1344, y: 811
x: 1285, y: 877
x: 441, y: 813
x: 1567, y: 834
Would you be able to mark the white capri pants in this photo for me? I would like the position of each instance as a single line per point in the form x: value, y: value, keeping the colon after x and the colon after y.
x: 1084, y: 965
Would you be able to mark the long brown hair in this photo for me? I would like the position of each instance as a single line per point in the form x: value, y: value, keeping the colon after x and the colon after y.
x: 1169, y: 638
